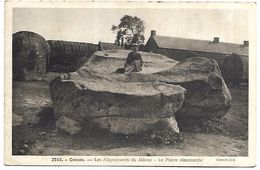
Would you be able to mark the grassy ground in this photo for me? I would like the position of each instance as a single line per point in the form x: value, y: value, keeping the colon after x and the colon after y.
x: 43, y: 138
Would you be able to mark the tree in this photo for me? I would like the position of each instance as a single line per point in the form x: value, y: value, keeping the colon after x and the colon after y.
x: 130, y: 30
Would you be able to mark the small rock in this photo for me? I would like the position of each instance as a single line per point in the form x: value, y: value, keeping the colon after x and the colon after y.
x: 68, y: 125
x: 26, y: 146
x: 54, y: 132
x: 42, y: 133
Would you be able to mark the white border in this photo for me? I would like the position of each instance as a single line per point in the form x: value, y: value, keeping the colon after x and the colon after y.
x: 44, y: 160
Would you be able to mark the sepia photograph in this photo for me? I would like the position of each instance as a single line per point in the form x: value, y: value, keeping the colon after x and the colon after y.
x: 123, y: 85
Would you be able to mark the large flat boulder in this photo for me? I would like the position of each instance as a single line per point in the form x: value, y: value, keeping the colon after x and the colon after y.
x: 96, y: 92
x: 108, y: 61
x: 89, y: 95
x: 127, y: 103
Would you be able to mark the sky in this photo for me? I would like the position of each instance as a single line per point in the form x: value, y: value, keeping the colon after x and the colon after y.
x: 94, y: 24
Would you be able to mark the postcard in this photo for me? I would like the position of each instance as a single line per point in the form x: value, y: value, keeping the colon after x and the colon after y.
x: 130, y: 83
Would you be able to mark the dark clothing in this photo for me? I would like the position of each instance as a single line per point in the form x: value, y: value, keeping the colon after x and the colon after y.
x: 133, y: 63
x: 134, y: 56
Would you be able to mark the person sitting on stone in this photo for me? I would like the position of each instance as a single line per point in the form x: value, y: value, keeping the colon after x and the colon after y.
x: 134, y: 60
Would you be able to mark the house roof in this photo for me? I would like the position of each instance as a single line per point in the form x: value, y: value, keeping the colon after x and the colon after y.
x: 200, y: 45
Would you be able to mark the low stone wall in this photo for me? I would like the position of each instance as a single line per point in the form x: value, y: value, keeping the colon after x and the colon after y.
x: 68, y: 56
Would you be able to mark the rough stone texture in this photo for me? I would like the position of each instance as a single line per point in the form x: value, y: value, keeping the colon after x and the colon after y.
x: 207, y: 95
x: 67, y: 56
x: 30, y: 56
x: 88, y: 95
x: 68, y: 125
x: 97, y: 91
x: 108, y: 61
x: 125, y: 125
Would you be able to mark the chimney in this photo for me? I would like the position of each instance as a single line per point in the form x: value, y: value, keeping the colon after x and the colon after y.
x: 153, y: 33
x: 216, y: 40
x: 246, y: 43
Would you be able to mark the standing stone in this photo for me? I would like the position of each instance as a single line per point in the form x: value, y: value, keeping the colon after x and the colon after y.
x: 207, y: 95
x: 30, y: 56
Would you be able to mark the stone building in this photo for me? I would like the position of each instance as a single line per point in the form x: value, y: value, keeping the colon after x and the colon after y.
x: 182, y: 48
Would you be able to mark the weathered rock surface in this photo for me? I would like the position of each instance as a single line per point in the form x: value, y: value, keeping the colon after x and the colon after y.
x: 125, y: 125
x: 67, y: 56
x: 88, y: 95
x: 207, y: 95
x: 30, y: 56
x: 96, y: 91
x: 140, y: 100
x: 109, y: 61
x: 68, y: 125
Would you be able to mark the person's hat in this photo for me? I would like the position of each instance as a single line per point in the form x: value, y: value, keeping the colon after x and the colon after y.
x: 135, y: 45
